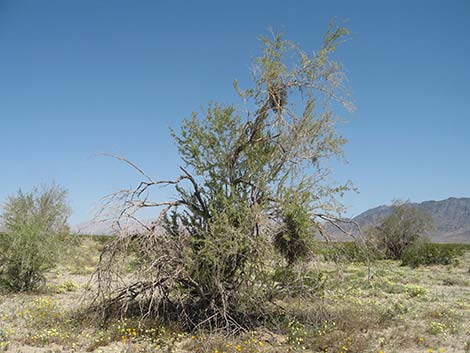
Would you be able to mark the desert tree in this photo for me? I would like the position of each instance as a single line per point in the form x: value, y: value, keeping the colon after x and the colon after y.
x: 35, y: 227
x: 253, y: 184
x: 404, y: 227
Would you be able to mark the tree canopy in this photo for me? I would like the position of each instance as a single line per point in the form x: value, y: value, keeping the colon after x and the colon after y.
x: 253, y: 187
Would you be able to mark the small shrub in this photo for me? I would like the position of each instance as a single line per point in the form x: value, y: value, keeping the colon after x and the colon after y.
x: 436, y: 328
x: 341, y: 252
x: 394, y: 310
x: 416, y: 291
x: 67, y: 286
x: 36, y: 224
x: 426, y: 253
x: 296, y: 333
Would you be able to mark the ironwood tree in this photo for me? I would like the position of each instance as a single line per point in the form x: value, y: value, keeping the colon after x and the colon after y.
x: 404, y: 227
x: 253, y: 188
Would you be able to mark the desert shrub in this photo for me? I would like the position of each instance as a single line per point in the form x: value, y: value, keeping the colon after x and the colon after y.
x: 405, y: 226
x: 424, y: 252
x: 36, y: 225
x: 416, y: 291
x: 66, y: 286
x: 341, y: 252
x: 252, y: 191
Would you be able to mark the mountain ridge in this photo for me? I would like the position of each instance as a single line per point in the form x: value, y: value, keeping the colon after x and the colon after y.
x: 451, y: 218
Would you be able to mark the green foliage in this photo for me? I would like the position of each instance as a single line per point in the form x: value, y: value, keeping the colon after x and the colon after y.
x: 401, y: 229
x: 349, y: 251
x: 425, y: 253
x: 294, y: 238
x: 36, y: 224
x: 297, y: 333
x: 254, y: 182
x: 67, y: 286
x: 416, y: 291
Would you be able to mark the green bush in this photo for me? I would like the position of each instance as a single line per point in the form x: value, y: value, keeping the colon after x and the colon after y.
x: 349, y: 252
x: 425, y: 253
x: 36, y: 225
x: 293, y: 240
x: 403, y: 228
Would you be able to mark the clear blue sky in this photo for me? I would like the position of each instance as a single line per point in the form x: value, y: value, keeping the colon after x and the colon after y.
x: 87, y: 76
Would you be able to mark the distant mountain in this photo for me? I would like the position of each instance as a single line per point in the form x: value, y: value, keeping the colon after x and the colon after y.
x: 451, y: 218
x: 100, y: 227
x: 93, y: 228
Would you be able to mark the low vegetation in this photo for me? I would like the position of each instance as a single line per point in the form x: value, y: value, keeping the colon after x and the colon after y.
x: 354, y: 307
x: 424, y: 252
